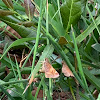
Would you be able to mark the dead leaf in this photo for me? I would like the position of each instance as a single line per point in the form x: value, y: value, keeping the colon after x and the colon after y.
x: 62, y: 41
x: 27, y: 23
x: 65, y: 69
x: 31, y: 79
x: 29, y: 8
x: 50, y: 72
x: 9, y: 29
x: 8, y: 3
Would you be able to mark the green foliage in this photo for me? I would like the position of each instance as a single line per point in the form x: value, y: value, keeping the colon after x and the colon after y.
x: 96, y: 46
x: 92, y: 79
x: 71, y: 11
x: 67, y: 30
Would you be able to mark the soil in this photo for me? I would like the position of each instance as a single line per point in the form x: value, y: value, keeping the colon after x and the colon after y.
x: 56, y: 95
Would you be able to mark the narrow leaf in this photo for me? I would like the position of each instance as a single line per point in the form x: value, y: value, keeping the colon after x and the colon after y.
x: 88, y: 31
x: 23, y: 31
x: 29, y: 8
x: 5, y: 61
x: 52, y: 13
x: 8, y: 3
x: 79, y: 62
x: 92, y: 79
x: 2, y: 88
x: 96, y: 46
x: 5, y: 12
x: 27, y: 24
x: 16, y: 43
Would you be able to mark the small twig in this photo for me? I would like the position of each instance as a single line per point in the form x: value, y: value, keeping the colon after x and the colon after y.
x: 22, y: 60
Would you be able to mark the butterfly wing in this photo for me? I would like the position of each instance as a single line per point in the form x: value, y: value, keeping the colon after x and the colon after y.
x: 67, y: 72
x: 50, y: 72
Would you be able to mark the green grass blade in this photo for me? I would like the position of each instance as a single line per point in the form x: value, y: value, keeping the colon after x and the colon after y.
x: 35, y: 98
x: 1, y: 87
x: 92, y: 78
x: 28, y: 57
x: 96, y: 46
x: 16, y: 43
x: 47, y: 25
x: 19, y: 73
x: 9, y: 76
x: 12, y: 66
x: 92, y: 18
x: 50, y: 88
x: 90, y: 64
x: 78, y: 59
x: 45, y: 90
x: 38, y: 31
x: 12, y: 82
x: 80, y: 65
x: 5, y: 61
x: 71, y: 90
x: 58, y: 2
x: 88, y: 31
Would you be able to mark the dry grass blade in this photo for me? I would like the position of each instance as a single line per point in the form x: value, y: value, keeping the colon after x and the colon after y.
x: 29, y: 83
x: 22, y: 60
x: 29, y: 8
x: 8, y: 3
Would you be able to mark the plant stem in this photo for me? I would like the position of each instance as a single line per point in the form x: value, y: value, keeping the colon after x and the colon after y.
x: 71, y: 89
x: 38, y: 33
x: 35, y: 98
x: 14, y: 82
x: 50, y: 88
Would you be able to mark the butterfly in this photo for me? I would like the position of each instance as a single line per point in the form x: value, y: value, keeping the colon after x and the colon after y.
x: 65, y: 69
x: 50, y: 72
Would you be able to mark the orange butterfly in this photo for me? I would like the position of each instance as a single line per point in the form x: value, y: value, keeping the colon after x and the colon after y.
x: 65, y: 69
x: 50, y: 72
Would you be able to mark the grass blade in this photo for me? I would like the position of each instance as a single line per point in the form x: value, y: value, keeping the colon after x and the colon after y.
x: 16, y: 43
x: 92, y: 19
x: 38, y: 31
x: 92, y: 78
x: 1, y: 87
x: 88, y: 31
x: 80, y: 65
